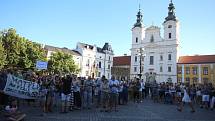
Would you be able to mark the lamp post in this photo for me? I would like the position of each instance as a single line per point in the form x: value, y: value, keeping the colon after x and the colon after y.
x: 140, y: 51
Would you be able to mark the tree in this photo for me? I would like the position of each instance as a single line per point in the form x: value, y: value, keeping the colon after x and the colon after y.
x: 2, y: 55
x: 11, y: 47
x: 62, y: 63
x: 19, y: 51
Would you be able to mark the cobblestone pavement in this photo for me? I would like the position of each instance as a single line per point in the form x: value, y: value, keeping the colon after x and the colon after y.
x: 146, y: 111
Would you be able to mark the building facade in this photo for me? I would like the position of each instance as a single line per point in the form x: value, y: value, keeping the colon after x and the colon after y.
x: 96, y: 61
x: 121, y: 67
x: 77, y: 57
x: 154, y: 58
x: 196, y: 69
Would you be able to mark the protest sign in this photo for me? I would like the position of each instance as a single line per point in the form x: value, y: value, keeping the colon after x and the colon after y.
x: 21, y: 88
x: 41, y: 65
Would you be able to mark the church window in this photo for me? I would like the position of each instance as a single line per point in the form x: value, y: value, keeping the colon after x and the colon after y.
x: 136, y: 40
x: 170, y: 35
x: 151, y: 60
x: 169, y: 69
x: 169, y: 57
x: 135, y: 58
x: 170, y: 26
x: 152, y: 39
x: 100, y: 64
x: 161, y: 69
x: 135, y: 69
x: 161, y: 58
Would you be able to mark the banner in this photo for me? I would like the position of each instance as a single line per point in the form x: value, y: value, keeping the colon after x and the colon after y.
x: 21, y: 88
x: 41, y: 65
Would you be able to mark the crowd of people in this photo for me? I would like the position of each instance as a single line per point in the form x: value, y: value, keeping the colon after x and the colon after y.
x: 75, y: 93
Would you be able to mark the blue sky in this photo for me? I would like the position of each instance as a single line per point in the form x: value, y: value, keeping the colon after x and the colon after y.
x: 63, y: 23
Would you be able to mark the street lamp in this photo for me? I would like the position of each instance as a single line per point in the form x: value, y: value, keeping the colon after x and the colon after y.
x: 140, y: 53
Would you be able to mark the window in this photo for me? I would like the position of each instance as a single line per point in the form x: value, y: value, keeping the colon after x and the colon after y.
x: 161, y: 58
x: 187, y: 70
x: 108, y: 66
x: 194, y: 70
x: 195, y: 80
x: 169, y: 68
x: 170, y: 26
x: 88, y: 62
x: 179, y: 70
x: 135, y: 69
x: 161, y: 69
x: 151, y: 60
x: 170, y: 35
x: 100, y: 64
x: 205, y: 71
x: 109, y: 58
x: 99, y: 74
x: 135, y: 58
x: 152, y: 39
x: 108, y: 75
x: 136, y: 40
x: 169, y: 57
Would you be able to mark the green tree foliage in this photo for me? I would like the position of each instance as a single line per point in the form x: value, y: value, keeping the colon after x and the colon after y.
x: 19, y: 51
x: 2, y: 55
x: 62, y: 63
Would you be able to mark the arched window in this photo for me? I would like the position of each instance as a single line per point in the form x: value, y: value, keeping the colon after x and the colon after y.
x: 136, y: 40
x: 170, y: 35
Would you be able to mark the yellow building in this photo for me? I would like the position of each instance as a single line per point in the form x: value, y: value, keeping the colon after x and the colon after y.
x: 196, y: 69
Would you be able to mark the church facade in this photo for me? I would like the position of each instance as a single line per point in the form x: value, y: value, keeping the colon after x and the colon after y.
x: 153, y: 57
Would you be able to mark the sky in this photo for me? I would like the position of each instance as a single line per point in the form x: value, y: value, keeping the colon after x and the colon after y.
x: 63, y: 23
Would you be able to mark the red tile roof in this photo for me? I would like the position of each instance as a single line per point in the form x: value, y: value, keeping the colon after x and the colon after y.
x: 122, y: 61
x: 198, y: 59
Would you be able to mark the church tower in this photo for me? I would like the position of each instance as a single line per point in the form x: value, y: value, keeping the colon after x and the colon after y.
x: 138, y: 34
x: 171, y: 25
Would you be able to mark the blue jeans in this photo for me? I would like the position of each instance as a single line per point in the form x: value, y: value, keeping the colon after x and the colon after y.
x: 87, y: 99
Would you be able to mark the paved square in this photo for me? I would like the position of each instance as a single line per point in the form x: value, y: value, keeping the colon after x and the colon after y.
x: 146, y: 111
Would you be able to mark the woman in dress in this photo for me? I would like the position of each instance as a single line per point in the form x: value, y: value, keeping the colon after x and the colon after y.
x: 186, y: 99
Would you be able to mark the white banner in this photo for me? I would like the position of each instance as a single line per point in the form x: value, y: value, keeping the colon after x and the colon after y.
x: 21, y: 88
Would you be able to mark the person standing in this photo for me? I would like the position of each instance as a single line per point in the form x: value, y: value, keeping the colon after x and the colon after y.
x: 77, y: 94
x: 88, y: 86
x: 105, y: 90
x: 186, y: 99
x: 205, y: 96
x: 212, y: 98
x: 66, y: 93
x: 114, y: 85
x: 125, y: 93
x: 97, y: 92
